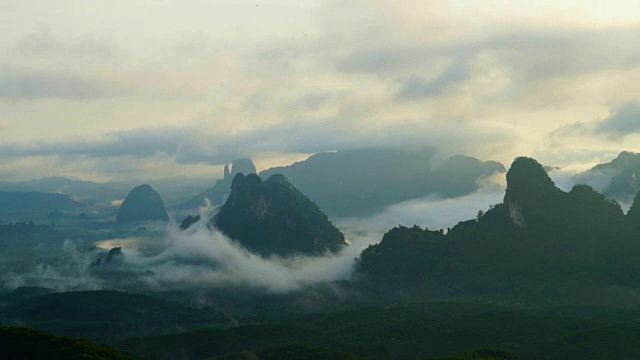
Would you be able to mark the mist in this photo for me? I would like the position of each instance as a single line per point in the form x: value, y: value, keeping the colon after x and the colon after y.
x: 198, y: 258
x: 433, y: 211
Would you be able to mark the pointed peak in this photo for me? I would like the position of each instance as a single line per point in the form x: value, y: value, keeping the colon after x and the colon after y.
x: 526, y: 178
x: 526, y: 169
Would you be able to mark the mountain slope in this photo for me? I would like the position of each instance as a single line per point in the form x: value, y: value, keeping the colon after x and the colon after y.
x: 273, y: 217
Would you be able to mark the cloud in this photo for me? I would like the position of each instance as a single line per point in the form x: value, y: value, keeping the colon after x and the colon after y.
x: 418, y: 88
x: 432, y: 211
x: 216, y: 146
x: 42, y: 85
x: 622, y: 121
x: 44, y: 43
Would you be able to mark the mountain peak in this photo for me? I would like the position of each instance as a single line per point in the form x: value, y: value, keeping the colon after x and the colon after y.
x: 273, y: 217
x: 525, y: 176
x: 530, y: 190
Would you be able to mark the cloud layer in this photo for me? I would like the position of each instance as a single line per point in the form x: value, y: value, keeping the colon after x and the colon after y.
x: 116, y: 88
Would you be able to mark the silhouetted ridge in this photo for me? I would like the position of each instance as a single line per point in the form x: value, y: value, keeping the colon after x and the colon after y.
x: 142, y: 204
x: 273, y: 217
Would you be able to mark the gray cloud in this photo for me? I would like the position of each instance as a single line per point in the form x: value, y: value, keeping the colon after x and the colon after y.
x: 417, y: 87
x: 622, y: 122
x: 136, y: 143
x: 43, y: 43
x: 17, y: 85
x: 382, y: 60
x: 192, y: 145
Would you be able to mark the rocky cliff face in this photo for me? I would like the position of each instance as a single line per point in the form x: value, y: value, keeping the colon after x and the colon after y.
x: 142, y: 204
x: 272, y: 217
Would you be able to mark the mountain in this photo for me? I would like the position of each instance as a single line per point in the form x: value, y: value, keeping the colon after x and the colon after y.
x: 36, y: 203
x: 617, y: 179
x: 220, y: 191
x: 537, y: 235
x: 273, y: 217
x: 364, y: 181
x: 142, y: 204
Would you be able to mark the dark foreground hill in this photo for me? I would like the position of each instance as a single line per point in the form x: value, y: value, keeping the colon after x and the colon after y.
x: 142, y: 204
x: 273, y: 217
x: 364, y: 181
x: 538, y: 237
x: 25, y: 343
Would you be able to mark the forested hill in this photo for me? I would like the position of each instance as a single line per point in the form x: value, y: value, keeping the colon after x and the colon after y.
x: 537, y: 235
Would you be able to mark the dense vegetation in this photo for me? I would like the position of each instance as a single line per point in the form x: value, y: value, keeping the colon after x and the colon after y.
x: 104, y: 316
x: 273, y: 217
x: 24, y: 343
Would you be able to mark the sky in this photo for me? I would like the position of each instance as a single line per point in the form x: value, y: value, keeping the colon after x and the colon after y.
x: 149, y: 89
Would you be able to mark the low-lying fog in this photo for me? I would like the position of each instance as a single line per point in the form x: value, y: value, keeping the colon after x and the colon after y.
x: 203, y: 258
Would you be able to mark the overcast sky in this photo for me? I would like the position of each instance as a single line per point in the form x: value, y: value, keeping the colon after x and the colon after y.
x: 157, y: 88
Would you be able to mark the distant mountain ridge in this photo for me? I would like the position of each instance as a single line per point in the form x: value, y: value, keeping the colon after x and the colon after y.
x: 272, y: 217
x: 362, y: 182
x: 36, y: 203
x: 89, y: 191
x: 618, y: 179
